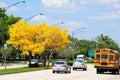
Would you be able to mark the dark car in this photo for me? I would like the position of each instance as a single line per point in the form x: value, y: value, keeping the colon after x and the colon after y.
x: 34, y: 63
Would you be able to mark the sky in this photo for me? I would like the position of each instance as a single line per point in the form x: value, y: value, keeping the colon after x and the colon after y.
x: 86, y: 19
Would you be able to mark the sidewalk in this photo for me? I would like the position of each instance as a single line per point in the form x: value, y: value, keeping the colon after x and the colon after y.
x: 14, y: 66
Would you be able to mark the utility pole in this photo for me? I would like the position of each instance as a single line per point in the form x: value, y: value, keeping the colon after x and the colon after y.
x: 3, y: 22
x: 73, y: 42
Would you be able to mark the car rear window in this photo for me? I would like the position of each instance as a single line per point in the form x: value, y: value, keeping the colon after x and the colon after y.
x: 59, y: 63
x: 78, y: 61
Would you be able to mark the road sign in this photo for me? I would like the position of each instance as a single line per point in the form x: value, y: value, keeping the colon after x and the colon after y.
x: 91, y: 53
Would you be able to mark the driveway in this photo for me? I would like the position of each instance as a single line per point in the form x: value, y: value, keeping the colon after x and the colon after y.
x: 14, y: 66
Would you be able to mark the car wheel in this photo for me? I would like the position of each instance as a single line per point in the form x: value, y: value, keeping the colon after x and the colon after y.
x: 73, y: 69
x: 83, y: 69
x: 53, y: 71
x: 66, y: 71
x: 70, y: 71
x: 57, y: 71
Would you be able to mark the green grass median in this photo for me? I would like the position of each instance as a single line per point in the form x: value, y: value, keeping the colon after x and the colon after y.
x: 23, y: 69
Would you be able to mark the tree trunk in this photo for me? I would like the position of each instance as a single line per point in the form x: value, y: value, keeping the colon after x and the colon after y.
x: 30, y: 57
x: 49, y: 58
x: 44, y: 59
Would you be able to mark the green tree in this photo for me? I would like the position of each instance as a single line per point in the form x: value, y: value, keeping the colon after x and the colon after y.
x: 85, y: 46
x: 6, y: 21
x: 106, y: 42
x: 67, y: 53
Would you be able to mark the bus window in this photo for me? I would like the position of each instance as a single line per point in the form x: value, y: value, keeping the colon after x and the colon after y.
x: 97, y: 56
x: 110, y: 57
x: 104, y: 56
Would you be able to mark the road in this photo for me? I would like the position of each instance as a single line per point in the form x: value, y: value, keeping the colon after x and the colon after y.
x: 90, y: 74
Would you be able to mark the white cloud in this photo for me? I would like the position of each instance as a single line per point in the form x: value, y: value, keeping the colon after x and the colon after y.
x: 64, y: 3
x: 40, y: 18
x: 98, y: 1
x: 62, y: 6
x: 75, y: 5
x: 56, y: 3
x: 105, y: 16
x: 116, y: 6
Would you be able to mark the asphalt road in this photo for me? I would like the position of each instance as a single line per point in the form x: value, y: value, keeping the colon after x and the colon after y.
x: 90, y: 74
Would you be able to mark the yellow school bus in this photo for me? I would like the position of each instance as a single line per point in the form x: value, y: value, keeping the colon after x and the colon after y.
x: 107, y: 60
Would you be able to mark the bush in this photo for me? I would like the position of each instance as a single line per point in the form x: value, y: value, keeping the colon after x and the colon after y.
x: 90, y: 61
x: 70, y: 63
x: 52, y: 62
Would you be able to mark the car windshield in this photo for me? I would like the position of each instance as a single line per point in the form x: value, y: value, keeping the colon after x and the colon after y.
x: 78, y: 60
x: 60, y: 63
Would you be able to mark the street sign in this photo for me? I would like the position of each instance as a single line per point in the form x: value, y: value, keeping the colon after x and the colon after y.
x: 91, y: 53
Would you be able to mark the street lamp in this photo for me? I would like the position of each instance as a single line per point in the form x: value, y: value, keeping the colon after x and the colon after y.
x: 78, y: 30
x: 6, y: 8
x: 32, y: 17
x: 73, y: 43
x: 3, y: 12
x: 57, y: 23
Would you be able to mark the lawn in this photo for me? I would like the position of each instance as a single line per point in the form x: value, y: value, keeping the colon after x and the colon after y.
x: 23, y: 69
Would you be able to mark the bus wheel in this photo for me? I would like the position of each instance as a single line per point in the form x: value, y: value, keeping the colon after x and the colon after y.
x: 113, y: 72
x: 97, y: 71
x: 117, y: 71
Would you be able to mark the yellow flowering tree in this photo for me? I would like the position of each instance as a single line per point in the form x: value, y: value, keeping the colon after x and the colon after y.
x: 23, y: 38
x: 35, y: 39
x: 54, y: 38
x: 57, y: 40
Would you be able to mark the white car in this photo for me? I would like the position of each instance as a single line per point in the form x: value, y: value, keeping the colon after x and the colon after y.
x: 79, y: 64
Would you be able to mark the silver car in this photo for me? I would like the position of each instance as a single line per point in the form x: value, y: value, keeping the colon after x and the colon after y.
x: 79, y: 64
x: 61, y: 66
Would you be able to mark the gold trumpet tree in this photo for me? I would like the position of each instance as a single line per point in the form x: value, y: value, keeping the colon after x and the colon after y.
x: 23, y: 37
x: 57, y: 40
x: 35, y: 39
